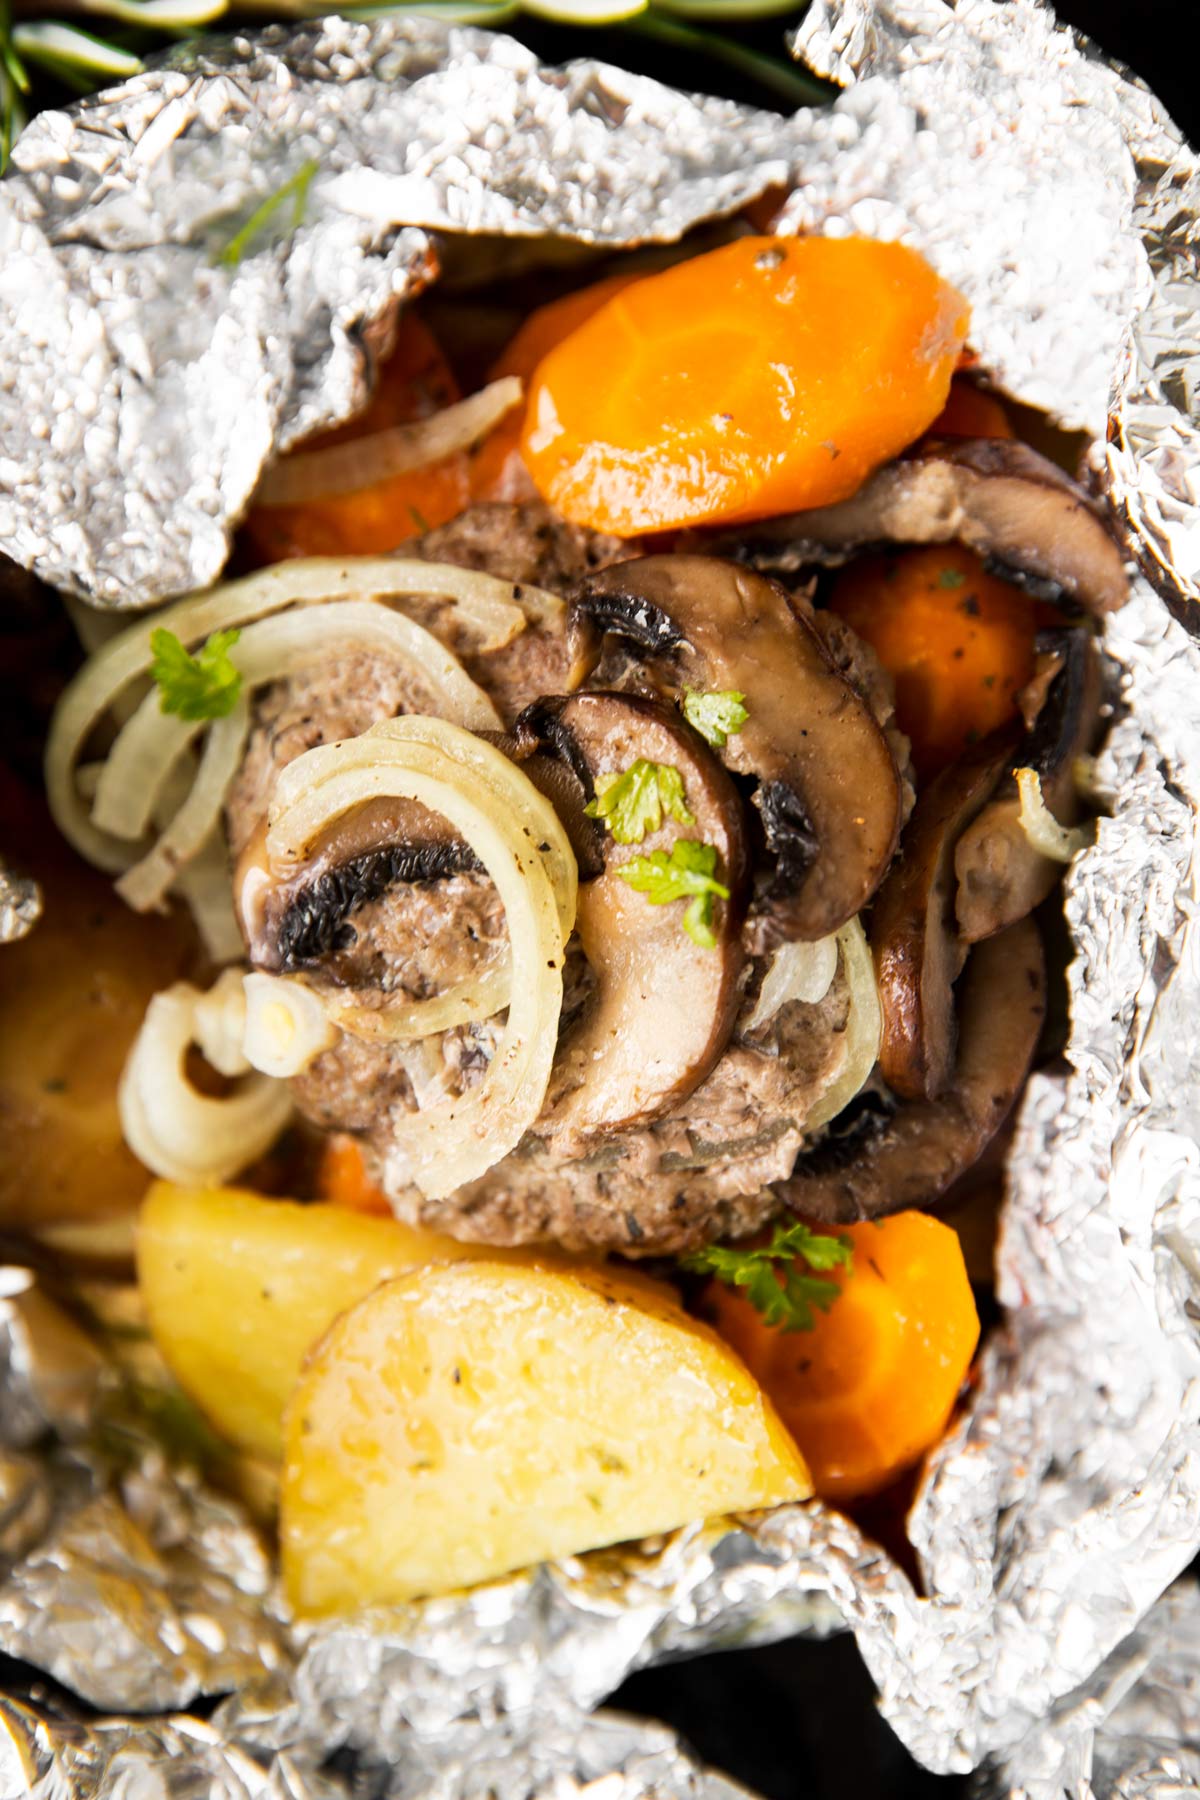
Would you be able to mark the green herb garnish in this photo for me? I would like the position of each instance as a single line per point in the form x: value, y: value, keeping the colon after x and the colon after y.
x: 950, y: 578
x: 204, y: 686
x: 633, y: 802
x: 774, y: 1286
x: 295, y: 190
x: 716, y: 717
x: 686, y: 874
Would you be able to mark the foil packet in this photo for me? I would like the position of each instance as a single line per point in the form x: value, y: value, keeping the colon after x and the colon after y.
x: 1131, y: 1732
x: 1054, y: 192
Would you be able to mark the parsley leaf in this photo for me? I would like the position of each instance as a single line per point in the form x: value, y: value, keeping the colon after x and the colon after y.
x: 633, y: 802
x: 686, y: 874
x: 770, y: 1278
x: 715, y: 716
x: 295, y: 190
x: 204, y: 686
x: 951, y: 578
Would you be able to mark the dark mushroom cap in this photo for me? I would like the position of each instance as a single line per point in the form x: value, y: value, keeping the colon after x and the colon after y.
x: 913, y: 1156
x: 826, y: 783
x: 999, y: 497
x: 663, y: 1006
x: 918, y: 953
x: 294, y: 916
x: 1000, y: 876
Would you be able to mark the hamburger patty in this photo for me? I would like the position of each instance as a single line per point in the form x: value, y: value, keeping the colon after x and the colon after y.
x: 699, y: 1171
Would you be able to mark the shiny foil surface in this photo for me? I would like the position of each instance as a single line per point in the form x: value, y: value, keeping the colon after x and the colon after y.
x: 1068, y: 1497
x: 1131, y: 1732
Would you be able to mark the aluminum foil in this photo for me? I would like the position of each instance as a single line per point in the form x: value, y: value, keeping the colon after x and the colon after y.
x: 1068, y: 1498
x: 572, y: 1757
x: 1114, y: 223
x: 134, y: 424
x: 147, y: 382
x: 1132, y: 1732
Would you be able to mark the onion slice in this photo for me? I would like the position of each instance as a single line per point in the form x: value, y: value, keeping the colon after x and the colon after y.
x: 798, y: 971
x: 864, y: 1027
x: 153, y: 741
x: 1059, y: 843
x: 527, y: 806
x: 144, y: 885
x: 442, y: 767
x: 206, y: 886
x: 475, y: 997
x: 219, y: 1025
x: 362, y: 462
x: 493, y: 610
x: 286, y: 1024
x: 176, y: 1132
x: 407, y: 1022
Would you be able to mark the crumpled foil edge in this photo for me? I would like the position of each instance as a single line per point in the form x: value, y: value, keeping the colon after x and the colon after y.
x: 1069, y: 1495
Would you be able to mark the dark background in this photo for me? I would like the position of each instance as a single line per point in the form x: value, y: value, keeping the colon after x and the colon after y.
x: 797, y: 1721
x: 1150, y: 37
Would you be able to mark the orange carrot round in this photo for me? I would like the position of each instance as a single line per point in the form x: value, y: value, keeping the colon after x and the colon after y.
x: 871, y: 1387
x: 957, y: 641
x: 414, y: 383
x: 767, y: 376
x: 342, y: 1178
x: 971, y: 412
x: 497, y: 471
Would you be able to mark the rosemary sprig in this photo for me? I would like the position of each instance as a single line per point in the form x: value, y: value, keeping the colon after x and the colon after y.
x: 295, y: 189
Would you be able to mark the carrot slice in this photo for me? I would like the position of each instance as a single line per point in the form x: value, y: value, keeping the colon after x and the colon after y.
x: 342, y: 1178
x: 971, y: 412
x: 414, y: 382
x: 871, y: 1387
x: 767, y: 376
x: 497, y: 470
x: 958, y: 642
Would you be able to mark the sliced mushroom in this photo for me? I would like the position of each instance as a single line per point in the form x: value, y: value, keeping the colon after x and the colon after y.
x: 910, y: 1157
x: 553, y: 762
x: 293, y: 917
x: 1001, y: 877
x: 918, y: 953
x: 663, y: 1006
x: 997, y: 496
x: 827, y: 786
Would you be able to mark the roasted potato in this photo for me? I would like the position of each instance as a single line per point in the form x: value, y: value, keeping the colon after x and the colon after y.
x: 472, y: 1418
x: 237, y: 1289
x: 72, y: 998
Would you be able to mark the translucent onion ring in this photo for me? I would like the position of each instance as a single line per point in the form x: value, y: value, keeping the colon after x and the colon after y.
x: 495, y: 610
x: 438, y: 765
x: 178, y: 1133
x: 1059, y: 843
x: 406, y: 1022
x: 361, y: 462
x: 797, y: 971
x: 475, y: 997
x: 144, y: 885
x: 152, y: 741
x: 864, y: 1028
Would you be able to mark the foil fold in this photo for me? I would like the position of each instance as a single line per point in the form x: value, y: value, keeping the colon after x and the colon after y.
x: 1068, y: 1496
x: 1131, y: 1732
x: 603, y: 1757
x: 119, y: 309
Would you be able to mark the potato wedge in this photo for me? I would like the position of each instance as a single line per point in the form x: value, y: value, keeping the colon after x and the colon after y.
x: 469, y: 1419
x: 72, y: 997
x: 238, y: 1288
